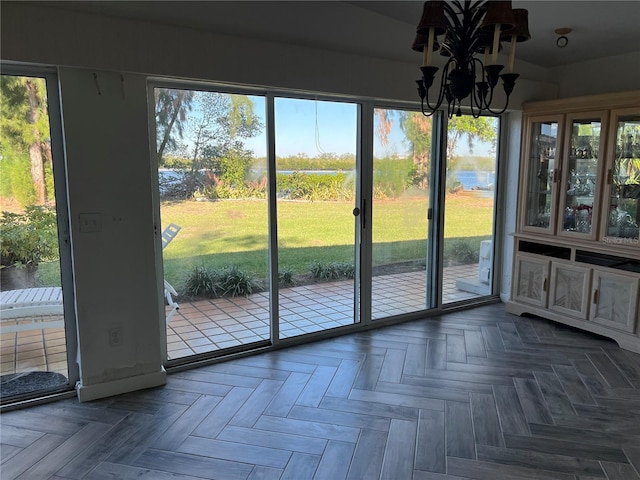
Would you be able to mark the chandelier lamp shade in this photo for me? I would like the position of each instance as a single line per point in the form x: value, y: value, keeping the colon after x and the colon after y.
x: 463, y: 32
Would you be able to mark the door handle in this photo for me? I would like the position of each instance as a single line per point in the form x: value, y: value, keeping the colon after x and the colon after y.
x: 361, y: 211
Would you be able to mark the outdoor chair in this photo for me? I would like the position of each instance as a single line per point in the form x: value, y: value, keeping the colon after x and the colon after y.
x: 168, y: 235
x: 37, y: 305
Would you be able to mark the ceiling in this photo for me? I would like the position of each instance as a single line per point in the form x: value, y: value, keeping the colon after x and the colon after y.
x: 386, y: 28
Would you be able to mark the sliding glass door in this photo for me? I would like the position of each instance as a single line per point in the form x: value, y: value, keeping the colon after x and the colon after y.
x: 401, y: 204
x: 316, y: 167
x: 212, y: 183
x: 37, y: 352
x: 469, y: 208
x: 271, y: 231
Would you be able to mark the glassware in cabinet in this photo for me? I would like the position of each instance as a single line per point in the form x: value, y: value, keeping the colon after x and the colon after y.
x: 622, y: 220
x: 541, y: 174
x: 581, y: 173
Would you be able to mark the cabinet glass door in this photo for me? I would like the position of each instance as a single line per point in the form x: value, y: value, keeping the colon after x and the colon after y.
x: 623, y: 200
x: 581, y: 176
x: 541, y: 172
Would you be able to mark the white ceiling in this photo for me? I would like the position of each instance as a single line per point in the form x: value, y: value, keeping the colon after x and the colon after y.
x: 387, y: 28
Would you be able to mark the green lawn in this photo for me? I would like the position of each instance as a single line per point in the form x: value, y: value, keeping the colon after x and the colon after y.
x: 234, y: 232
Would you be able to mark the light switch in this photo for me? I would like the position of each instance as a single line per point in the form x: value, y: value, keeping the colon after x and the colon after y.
x: 90, y: 222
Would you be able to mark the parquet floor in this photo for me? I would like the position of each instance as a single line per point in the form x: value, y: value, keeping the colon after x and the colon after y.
x: 477, y: 394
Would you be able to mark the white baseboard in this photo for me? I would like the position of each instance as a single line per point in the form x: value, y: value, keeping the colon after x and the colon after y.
x: 124, y: 385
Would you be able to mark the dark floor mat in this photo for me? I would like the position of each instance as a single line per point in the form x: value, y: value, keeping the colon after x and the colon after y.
x: 18, y: 384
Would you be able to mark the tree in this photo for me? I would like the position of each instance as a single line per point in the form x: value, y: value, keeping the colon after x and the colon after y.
x: 481, y: 129
x: 24, y: 126
x: 215, y: 134
x: 417, y: 129
x: 418, y: 132
x: 172, y: 107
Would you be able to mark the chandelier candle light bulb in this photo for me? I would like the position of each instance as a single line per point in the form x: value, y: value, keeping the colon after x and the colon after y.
x: 428, y: 51
x: 512, y: 53
x: 496, y: 44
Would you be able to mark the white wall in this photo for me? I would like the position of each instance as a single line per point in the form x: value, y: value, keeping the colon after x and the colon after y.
x: 108, y: 160
x: 604, y: 75
x: 79, y: 39
x: 512, y: 148
x: 107, y: 152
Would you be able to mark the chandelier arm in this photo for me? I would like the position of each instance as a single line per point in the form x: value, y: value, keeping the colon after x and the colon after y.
x: 475, y: 100
x: 450, y: 108
x: 441, y: 94
x: 483, y: 102
x: 504, y: 109
x: 506, y: 105
x: 422, y: 109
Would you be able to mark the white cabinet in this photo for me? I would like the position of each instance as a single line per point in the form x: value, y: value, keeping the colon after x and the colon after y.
x: 577, y: 244
x: 578, y: 288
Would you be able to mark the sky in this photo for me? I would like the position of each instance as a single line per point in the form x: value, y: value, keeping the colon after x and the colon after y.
x: 308, y: 126
x: 314, y: 127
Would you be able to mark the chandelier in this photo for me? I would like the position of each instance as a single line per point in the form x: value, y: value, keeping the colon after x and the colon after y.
x: 462, y: 32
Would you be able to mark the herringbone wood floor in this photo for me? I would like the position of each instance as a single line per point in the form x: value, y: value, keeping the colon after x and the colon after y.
x: 478, y: 394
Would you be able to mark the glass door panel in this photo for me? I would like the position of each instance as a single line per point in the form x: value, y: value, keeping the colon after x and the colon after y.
x: 623, y: 202
x: 33, y: 347
x: 581, y: 176
x: 316, y: 143
x: 401, y: 189
x: 541, y: 174
x: 469, y: 208
x: 212, y: 177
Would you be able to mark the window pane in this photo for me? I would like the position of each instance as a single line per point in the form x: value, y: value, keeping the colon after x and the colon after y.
x: 469, y: 208
x: 33, y: 352
x: 211, y: 150
x: 316, y: 186
x: 401, y: 174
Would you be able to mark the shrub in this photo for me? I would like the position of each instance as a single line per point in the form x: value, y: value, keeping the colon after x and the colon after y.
x: 305, y: 186
x: 214, y: 283
x: 332, y: 271
x: 15, y: 180
x: 201, y: 282
x: 28, y: 238
x: 285, y: 277
x: 462, y: 253
x: 234, y: 282
x: 392, y: 176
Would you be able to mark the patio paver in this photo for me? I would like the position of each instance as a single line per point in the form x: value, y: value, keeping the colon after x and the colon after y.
x: 207, y: 325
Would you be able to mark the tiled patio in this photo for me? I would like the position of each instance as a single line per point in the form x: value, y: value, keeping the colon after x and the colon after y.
x: 207, y: 325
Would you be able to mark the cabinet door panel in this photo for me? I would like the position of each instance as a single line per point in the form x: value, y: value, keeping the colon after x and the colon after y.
x: 540, y: 174
x: 569, y: 290
x: 581, y: 168
x: 621, y: 216
x: 615, y: 300
x: 531, y: 280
